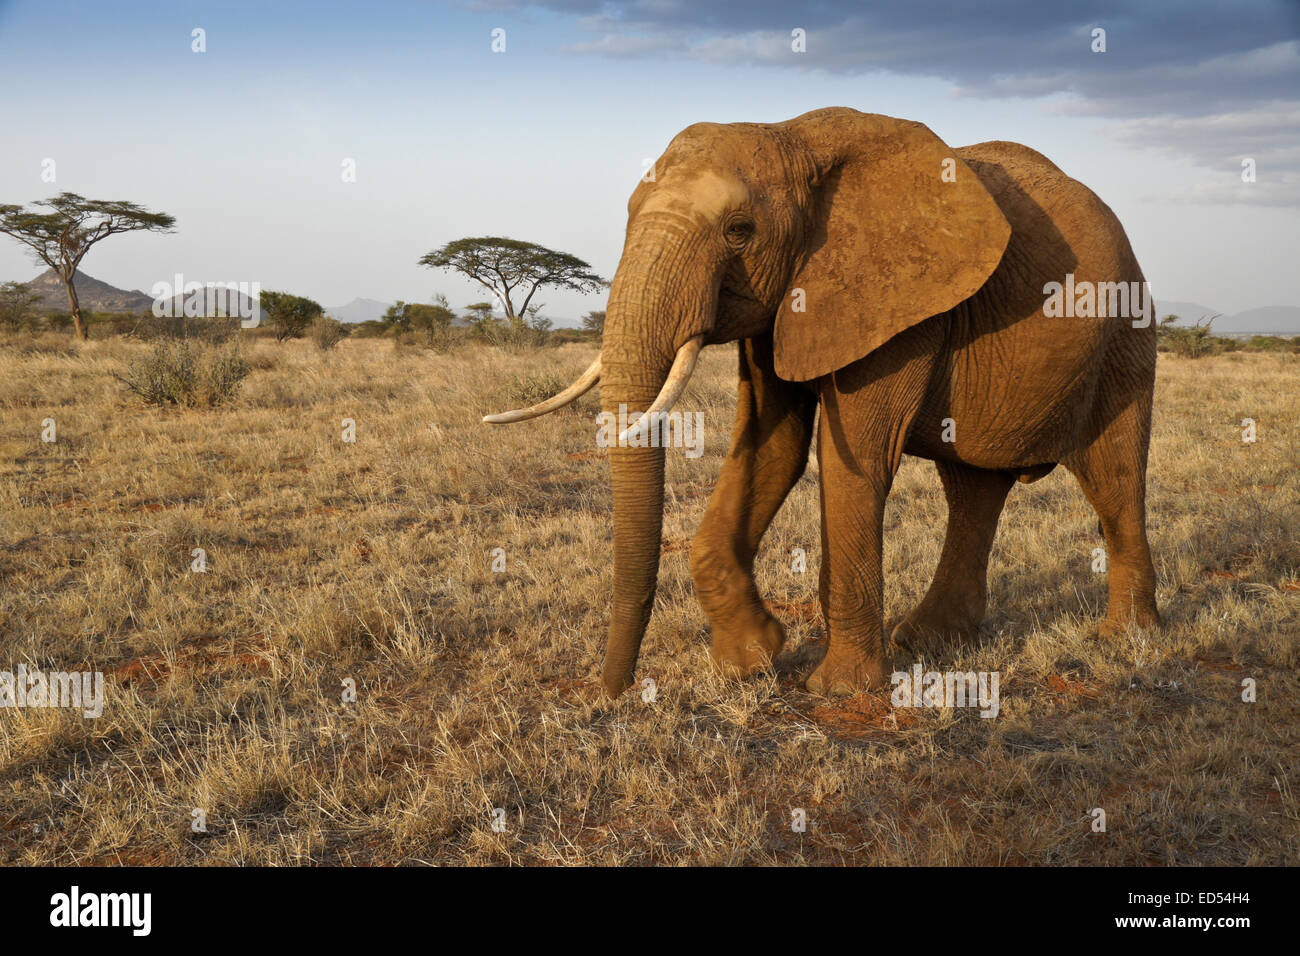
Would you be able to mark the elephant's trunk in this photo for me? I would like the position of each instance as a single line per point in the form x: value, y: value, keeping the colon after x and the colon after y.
x: 643, y: 332
x: 638, y: 481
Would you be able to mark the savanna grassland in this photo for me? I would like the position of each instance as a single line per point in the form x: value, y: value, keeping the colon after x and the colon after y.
x: 476, y: 689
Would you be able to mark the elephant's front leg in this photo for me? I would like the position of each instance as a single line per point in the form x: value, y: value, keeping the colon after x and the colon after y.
x: 769, y: 450
x: 866, y: 416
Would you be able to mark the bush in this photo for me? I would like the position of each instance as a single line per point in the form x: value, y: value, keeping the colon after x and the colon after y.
x: 327, y: 333
x: 186, y: 374
x: 513, y: 336
x: 216, y: 330
x: 522, y: 392
x: 18, y: 306
x: 1188, y: 341
x: 103, y: 325
x: 59, y: 321
x: 369, y: 329
x: 1273, y: 343
x: 289, y: 315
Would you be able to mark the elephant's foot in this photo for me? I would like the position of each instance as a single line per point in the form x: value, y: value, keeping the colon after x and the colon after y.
x: 739, y: 650
x: 846, y: 669
x: 953, y: 621
x: 1120, y: 616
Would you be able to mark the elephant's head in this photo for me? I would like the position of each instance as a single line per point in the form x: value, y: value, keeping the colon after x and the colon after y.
x: 837, y: 229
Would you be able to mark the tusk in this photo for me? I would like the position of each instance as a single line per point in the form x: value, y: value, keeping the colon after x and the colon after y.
x: 678, y: 376
x: 579, y: 388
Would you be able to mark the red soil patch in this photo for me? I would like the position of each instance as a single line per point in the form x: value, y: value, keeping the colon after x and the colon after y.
x: 200, y: 657
x: 862, y: 715
x: 1059, y: 684
x: 806, y: 612
x: 575, y: 690
x: 152, y: 670
x: 1216, y: 661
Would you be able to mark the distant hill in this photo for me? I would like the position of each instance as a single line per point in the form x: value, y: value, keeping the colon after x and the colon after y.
x: 358, y: 310
x: 1268, y: 320
x: 92, y: 294
x: 232, y: 302
x: 1187, y: 312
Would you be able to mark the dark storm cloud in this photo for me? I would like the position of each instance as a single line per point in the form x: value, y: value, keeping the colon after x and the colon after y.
x: 1209, y: 80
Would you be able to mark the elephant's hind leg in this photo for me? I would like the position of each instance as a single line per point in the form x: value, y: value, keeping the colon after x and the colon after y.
x: 1112, y: 473
x: 769, y: 450
x: 954, y: 605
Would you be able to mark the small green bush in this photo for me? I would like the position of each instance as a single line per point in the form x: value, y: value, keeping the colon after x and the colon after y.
x: 186, y: 374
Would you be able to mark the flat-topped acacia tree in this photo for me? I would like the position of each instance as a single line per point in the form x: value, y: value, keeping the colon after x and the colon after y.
x: 62, y: 236
x: 510, y: 267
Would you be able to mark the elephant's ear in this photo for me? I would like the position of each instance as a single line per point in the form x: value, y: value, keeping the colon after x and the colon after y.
x: 902, y: 229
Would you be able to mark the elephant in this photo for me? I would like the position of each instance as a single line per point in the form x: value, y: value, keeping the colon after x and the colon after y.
x: 898, y: 287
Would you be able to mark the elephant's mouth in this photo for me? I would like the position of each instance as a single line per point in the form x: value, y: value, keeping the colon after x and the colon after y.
x: 731, y: 290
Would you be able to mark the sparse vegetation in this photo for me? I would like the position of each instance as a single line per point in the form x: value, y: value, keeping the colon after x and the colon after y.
x: 215, y: 330
x: 60, y: 231
x: 478, y: 690
x: 525, y: 390
x: 187, y: 374
x: 1193, y: 341
x: 289, y: 315
x: 327, y: 333
x: 17, y: 306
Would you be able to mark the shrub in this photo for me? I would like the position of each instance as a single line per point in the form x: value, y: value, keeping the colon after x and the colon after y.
x: 289, y: 315
x: 1188, y: 341
x: 58, y: 321
x: 18, y: 306
x: 186, y: 374
x: 216, y: 330
x: 529, y: 390
x: 1273, y: 343
x: 327, y: 333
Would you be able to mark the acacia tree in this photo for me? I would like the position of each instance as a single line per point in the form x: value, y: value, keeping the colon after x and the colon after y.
x: 289, y: 315
x: 61, y: 237
x: 434, y: 320
x: 509, y: 268
x: 16, y: 303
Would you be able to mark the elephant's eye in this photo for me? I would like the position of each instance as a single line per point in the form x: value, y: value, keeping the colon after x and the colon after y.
x: 740, y: 230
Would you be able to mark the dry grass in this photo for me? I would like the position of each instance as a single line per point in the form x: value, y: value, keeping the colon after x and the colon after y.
x: 476, y: 690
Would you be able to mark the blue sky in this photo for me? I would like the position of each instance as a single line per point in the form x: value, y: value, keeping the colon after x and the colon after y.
x: 244, y: 143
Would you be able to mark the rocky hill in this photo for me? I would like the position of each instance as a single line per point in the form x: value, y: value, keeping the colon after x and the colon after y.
x: 94, y: 295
